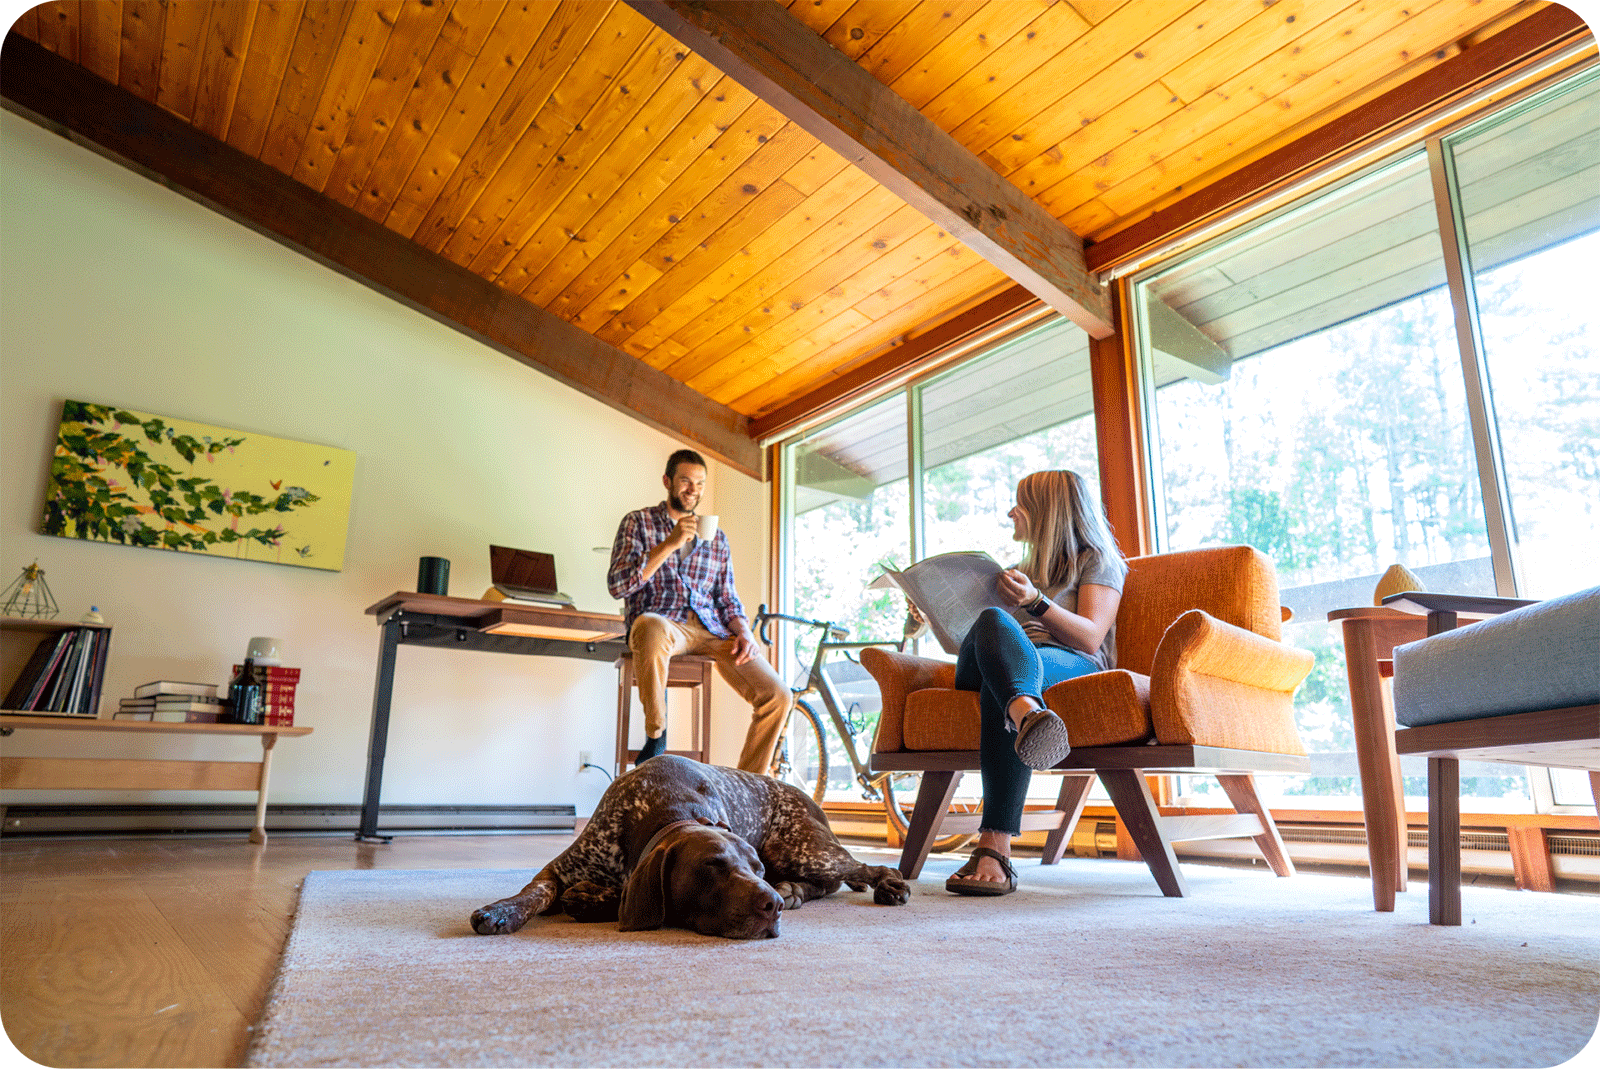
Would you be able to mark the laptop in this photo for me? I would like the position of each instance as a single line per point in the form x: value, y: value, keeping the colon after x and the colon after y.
x: 524, y: 575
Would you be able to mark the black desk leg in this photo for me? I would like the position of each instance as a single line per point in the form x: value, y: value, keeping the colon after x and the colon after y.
x: 378, y: 741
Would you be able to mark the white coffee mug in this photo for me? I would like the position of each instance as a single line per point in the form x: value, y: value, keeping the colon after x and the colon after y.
x: 266, y: 651
x: 707, y: 528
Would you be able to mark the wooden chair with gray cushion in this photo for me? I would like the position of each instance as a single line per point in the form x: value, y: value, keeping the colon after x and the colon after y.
x: 1203, y: 684
x: 1522, y: 688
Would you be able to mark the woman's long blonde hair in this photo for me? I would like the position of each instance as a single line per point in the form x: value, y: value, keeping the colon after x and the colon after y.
x: 1065, y: 530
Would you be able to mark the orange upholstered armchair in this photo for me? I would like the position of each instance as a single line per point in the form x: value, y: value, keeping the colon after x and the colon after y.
x: 1203, y: 683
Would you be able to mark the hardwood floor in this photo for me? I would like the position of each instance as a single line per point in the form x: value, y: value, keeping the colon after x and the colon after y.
x: 159, y: 952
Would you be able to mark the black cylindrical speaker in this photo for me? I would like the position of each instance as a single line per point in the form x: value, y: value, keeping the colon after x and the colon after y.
x: 433, y: 575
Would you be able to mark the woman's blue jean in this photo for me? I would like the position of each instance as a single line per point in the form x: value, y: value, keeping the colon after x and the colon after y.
x: 998, y: 660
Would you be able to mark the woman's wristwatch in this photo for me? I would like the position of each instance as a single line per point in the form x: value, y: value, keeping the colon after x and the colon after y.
x: 1038, y: 606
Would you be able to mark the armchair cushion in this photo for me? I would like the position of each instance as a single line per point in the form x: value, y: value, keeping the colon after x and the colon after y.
x: 941, y: 719
x: 1235, y: 584
x: 1221, y: 685
x: 899, y: 674
x: 1100, y: 709
x: 1104, y: 708
x: 1543, y: 656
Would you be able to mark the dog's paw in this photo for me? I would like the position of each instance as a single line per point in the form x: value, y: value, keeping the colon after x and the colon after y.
x: 790, y: 893
x: 587, y: 901
x: 499, y: 918
x: 891, y: 891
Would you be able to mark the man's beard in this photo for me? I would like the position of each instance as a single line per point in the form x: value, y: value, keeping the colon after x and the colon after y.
x: 677, y: 503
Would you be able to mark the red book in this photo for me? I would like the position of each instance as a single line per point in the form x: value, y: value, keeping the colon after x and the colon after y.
x: 275, y: 673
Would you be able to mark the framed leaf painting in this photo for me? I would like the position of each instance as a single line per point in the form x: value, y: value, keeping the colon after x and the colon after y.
x: 143, y: 480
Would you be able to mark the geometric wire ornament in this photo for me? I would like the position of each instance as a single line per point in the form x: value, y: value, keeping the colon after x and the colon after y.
x: 29, y: 596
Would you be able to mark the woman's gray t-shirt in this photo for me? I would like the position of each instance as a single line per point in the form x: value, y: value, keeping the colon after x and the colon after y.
x: 1101, y: 573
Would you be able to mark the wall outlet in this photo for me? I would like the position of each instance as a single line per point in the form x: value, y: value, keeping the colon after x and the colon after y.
x: 583, y: 759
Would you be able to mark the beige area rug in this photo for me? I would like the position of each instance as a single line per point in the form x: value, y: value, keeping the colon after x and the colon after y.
x: 1086, y: 965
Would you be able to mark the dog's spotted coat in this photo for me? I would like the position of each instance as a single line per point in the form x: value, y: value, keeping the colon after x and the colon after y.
x: 788, y: 831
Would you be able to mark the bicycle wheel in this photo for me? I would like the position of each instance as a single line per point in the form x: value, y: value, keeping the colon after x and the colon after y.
x: 801, y: 759
x: 899, y: 791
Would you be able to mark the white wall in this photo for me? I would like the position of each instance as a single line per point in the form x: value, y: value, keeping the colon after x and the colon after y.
x: 114, y: 289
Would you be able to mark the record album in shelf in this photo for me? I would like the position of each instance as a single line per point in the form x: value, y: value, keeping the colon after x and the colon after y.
x: 52, y: 669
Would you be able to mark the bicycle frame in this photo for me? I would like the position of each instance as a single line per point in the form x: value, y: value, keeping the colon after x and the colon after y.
x: 818, y: 684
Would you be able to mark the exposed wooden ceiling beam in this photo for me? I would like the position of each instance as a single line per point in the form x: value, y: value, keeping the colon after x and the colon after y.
x: 66, y: 98
x: 1542, y: 33
x: 777, y: 57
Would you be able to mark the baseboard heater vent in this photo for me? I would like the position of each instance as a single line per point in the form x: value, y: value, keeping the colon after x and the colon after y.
x: 310, y: 819
x: 1573, y: 856
x: 1574, y: 845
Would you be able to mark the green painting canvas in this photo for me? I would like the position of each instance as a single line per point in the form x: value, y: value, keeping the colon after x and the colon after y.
x: 144, y: 480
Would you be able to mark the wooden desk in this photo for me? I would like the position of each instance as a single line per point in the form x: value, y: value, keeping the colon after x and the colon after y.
x: 150, y: 774
x: 409, y: 619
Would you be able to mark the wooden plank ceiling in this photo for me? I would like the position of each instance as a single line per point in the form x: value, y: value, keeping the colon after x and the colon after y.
x: 580, y: 159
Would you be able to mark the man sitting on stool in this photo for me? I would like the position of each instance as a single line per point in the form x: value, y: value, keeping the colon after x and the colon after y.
x: 679, y: 596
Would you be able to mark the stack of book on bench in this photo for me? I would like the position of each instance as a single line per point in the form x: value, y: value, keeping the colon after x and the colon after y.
x: 277, y: 693
x: 173, y: 701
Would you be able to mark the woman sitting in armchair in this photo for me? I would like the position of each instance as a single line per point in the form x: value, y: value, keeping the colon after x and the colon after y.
x: 1068, y: 585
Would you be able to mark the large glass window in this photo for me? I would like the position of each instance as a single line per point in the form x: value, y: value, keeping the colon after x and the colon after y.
x: 1308, y: 402
x: 1025, y: 406
x: 849, y: 513
x: 1022, y: 405
x: 1529, y: 196
x: 1309, y: 397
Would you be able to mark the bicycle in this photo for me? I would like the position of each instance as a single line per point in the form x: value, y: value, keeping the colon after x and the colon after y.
x: 802, y: 757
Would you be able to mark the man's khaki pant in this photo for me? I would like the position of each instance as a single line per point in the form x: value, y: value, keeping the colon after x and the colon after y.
x: 655, y: 640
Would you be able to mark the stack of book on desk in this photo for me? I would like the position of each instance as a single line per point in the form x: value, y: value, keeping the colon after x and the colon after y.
x: 172, y: 701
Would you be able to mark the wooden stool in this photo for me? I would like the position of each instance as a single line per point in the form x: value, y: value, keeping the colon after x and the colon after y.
x: 689, y: 671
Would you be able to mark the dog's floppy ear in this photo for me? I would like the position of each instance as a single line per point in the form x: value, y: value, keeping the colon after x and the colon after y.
x: 644, y: 896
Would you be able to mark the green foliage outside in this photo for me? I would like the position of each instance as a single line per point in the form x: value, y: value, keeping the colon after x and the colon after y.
x: 154, y: 504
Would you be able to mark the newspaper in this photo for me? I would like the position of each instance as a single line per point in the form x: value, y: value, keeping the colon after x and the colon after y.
x: 950, y: 590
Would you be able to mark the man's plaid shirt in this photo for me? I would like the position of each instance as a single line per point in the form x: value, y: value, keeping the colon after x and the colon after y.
x: 701, y: 582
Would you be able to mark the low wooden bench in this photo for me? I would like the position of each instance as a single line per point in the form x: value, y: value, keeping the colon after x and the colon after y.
x: 145, y: 773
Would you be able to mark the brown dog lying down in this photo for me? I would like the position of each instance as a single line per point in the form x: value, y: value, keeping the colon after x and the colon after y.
x: 678, y: 844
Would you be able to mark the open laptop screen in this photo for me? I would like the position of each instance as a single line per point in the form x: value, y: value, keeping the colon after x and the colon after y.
x: 522, y: 569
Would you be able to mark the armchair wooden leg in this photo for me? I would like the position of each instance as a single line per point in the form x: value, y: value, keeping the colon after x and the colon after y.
x: 1241, y: 791
x: 1074, y: 793
x: 1444, y: 840
x: 1131, y: 795
x: 933, y: 800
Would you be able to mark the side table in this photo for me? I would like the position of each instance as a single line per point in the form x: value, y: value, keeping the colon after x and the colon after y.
x: 1370, y: 635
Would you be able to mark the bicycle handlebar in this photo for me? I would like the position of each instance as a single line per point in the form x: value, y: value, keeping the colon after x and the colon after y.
x: 762, y: 616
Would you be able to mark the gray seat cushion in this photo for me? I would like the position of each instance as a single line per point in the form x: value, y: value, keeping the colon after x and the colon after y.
x: 1544, y: 656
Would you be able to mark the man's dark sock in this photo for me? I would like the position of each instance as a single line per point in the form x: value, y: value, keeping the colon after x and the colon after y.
x: 652, y: 748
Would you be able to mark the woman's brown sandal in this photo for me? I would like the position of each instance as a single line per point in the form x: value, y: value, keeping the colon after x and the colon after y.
x: 1042, y: 740
x: 964, y: 882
